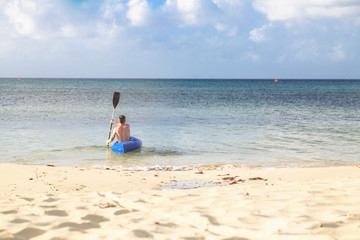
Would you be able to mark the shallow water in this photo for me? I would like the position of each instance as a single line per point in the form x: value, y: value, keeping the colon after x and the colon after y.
x: 256, y: 123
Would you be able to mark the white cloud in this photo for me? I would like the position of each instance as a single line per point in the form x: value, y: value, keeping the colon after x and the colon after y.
x: 227, y: 3
x: 43, y: 19
x: 233, y: 7
x: 229, y: 30
x: 258, y: 34
x: 139, y: 12
x: 282, y: 10
x: 112, y: 9
x: 229, y: 15
x: 35, y: 19
x: 19, y: 15
x: 223, y: 15
x: 189, y: 12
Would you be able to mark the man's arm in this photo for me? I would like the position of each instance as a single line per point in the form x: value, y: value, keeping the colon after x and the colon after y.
x: 113, y: 122
x: 111, y: 138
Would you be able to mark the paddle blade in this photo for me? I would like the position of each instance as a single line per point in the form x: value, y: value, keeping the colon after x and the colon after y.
x: 116, y: 99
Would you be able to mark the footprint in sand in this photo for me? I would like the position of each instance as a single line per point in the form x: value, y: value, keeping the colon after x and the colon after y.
x: 169, y: 225
x: 236, y: 238
x: 92, y: 221
x: 48, y: 206
x: 50, y: 199
x: 211, y: 219
x: 19, y: 221
x: 28, y: 199
x: 28, y: 233
x: 194, y: 238
x: 95, y: 218
x: 58, y: 213
x: 142, y: 233
x: 80, y: 227
x: 330, y: 224
x: 9, y: 212
x: 121, y: 212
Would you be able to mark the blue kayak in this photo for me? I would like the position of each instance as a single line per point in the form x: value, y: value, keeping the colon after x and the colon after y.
x: 127, y: 146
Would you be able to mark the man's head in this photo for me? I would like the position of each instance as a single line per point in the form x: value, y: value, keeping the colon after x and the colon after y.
x: 122, y: 119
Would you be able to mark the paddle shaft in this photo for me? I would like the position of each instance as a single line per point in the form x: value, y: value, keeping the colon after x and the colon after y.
x: 116, y: 99
x: 111, y: 124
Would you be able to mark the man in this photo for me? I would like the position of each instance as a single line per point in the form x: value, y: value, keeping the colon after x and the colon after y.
x: 122, y: 131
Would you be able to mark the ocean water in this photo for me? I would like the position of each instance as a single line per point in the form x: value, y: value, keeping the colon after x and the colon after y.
x: 254, y: 123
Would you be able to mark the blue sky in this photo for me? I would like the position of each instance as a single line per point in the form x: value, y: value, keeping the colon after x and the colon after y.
x: 180, y: 38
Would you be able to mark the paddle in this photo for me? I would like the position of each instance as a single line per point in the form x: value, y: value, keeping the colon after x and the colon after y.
x: 116, y: 99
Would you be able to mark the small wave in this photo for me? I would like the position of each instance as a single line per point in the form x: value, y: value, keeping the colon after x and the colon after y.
x: 80, y: 148
x: 197, y: 167
x: 163, y: 151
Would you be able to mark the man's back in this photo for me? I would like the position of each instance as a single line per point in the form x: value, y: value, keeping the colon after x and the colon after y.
x: 123, y: 132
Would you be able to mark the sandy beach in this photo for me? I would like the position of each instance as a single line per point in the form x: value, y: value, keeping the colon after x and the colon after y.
x: 50, y: 202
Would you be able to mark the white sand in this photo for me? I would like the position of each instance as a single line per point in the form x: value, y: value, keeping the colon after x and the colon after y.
x: 41, y: 202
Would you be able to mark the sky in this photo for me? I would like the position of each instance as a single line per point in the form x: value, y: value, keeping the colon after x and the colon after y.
x: 298, y: 39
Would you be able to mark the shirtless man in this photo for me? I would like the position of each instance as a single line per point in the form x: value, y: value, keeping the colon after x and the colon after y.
x: 122, y: 132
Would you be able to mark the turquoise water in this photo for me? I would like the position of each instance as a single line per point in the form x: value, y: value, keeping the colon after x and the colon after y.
x: 256, y: 123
